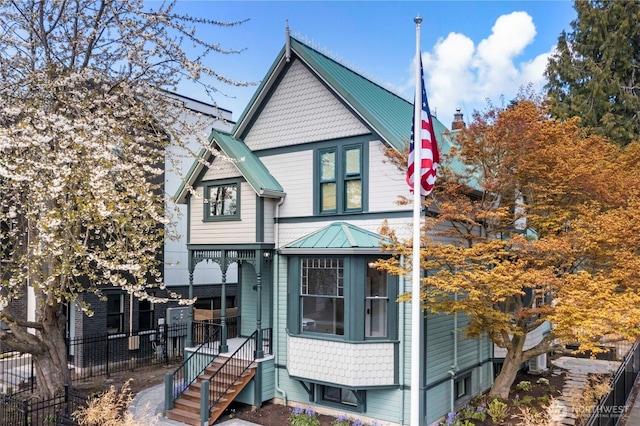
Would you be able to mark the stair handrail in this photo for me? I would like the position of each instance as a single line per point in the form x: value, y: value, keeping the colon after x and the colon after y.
x: 199, y: 365
x: 234, y: 368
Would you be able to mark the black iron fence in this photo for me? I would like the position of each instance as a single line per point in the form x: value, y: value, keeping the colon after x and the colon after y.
x: 18, y: 410
x: 105, y: 354
x: 99, y: 355
x: 613, y: 406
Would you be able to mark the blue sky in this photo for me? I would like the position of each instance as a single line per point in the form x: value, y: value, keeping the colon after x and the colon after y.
x: 472, y: 50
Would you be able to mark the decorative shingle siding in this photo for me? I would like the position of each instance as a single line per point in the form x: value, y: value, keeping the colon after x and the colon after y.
x: 300, y: 110
x: 221, y: 169
x: 342, y: 363
x: 232, y: 232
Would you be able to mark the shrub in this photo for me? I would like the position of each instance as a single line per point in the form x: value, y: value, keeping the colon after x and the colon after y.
x: 109, y: 408
x: 543, y: 399
x: 497, y: 410
x: 530, y: 417
x: 341, y: 420
x: 524, y: 386
x: 306, y: 417
x: 480, y: 413
x: 543, y: 381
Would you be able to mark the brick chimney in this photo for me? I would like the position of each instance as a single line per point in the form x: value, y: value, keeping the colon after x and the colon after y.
x: 458, y: 122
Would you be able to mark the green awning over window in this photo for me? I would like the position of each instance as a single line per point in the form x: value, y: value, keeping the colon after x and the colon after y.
x: 339, y: 237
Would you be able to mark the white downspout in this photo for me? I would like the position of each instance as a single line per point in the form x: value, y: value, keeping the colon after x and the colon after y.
x: 276, y: 295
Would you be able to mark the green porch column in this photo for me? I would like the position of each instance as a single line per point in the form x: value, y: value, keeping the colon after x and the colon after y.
x: 259, y: 259
x: 224, y: 347
x: 192, y: 266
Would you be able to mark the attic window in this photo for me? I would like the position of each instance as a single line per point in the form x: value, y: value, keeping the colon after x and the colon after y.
x: 222, y: 202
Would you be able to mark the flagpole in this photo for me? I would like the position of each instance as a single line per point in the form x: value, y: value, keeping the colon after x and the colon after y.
x: 416, y: 317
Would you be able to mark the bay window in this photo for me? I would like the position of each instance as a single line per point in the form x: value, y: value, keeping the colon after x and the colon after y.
x: 343, y: 298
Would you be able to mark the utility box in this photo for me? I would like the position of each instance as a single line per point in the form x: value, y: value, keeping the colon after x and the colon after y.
x: 177, y: 317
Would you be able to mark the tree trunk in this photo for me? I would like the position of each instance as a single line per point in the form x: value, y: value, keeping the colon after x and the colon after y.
x: 51, y: 368
x: 502, y: 383
x: 512, y: 361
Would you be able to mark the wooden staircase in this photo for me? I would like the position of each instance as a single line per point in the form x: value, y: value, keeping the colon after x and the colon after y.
x: 186, y: 408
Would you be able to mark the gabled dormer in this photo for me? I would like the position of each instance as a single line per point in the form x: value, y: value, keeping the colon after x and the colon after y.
x: 228, y: 188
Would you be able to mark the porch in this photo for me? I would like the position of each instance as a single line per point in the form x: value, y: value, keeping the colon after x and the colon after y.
x: 212, y: 376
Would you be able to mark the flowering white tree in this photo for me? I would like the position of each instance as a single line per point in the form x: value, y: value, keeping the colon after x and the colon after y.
x: 84, y: 127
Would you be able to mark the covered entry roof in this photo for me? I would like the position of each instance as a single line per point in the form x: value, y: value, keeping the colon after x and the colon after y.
x: 339, y: 237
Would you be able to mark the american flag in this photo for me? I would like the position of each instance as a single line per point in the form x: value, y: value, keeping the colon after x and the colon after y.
x: 429, y: 155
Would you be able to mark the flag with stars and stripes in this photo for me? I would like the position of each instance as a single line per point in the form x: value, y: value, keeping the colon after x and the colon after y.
x: 429, y: 155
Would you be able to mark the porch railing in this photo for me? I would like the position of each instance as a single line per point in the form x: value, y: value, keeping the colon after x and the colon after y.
x: 198, y: 361
x: 233, y: 328
x: 234, y: 367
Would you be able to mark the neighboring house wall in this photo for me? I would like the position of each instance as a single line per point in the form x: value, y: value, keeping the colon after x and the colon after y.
x: 175, y: 252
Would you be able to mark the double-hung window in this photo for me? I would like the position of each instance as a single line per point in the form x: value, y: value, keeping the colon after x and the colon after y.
x: 115, y: 313
x: 376, y: 303
x: 222, y: 201
x: 146, y: 315
x: 322, y: 292
x: 340, y: 179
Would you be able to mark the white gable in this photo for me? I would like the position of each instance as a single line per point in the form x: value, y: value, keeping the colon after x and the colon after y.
x: 300, y: 110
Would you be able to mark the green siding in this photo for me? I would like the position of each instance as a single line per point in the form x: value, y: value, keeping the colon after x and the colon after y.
x: 249, y: 301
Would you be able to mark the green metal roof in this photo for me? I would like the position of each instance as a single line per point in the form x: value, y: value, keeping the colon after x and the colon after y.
x: 389, y: 115
x: 338, y: 235
x: 253, y: 170
x: 249, y: 165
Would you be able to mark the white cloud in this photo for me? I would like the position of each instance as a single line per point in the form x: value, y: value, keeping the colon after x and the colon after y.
x: 461, y: 74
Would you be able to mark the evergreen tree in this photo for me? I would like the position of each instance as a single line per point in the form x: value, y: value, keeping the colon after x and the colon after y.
x: 595, y: 73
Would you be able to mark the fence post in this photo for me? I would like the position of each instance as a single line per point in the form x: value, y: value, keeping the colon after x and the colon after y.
x: 108, y: 355
x: 66, y: 401
x: 204, y: 402
x: 25, y: 410
x: 31, y: 377
x: 165, y: 327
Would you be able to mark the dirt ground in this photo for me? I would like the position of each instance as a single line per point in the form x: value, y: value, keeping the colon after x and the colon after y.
x: 146, y: 377
x: 269, y: 414
x: 141, y: 378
